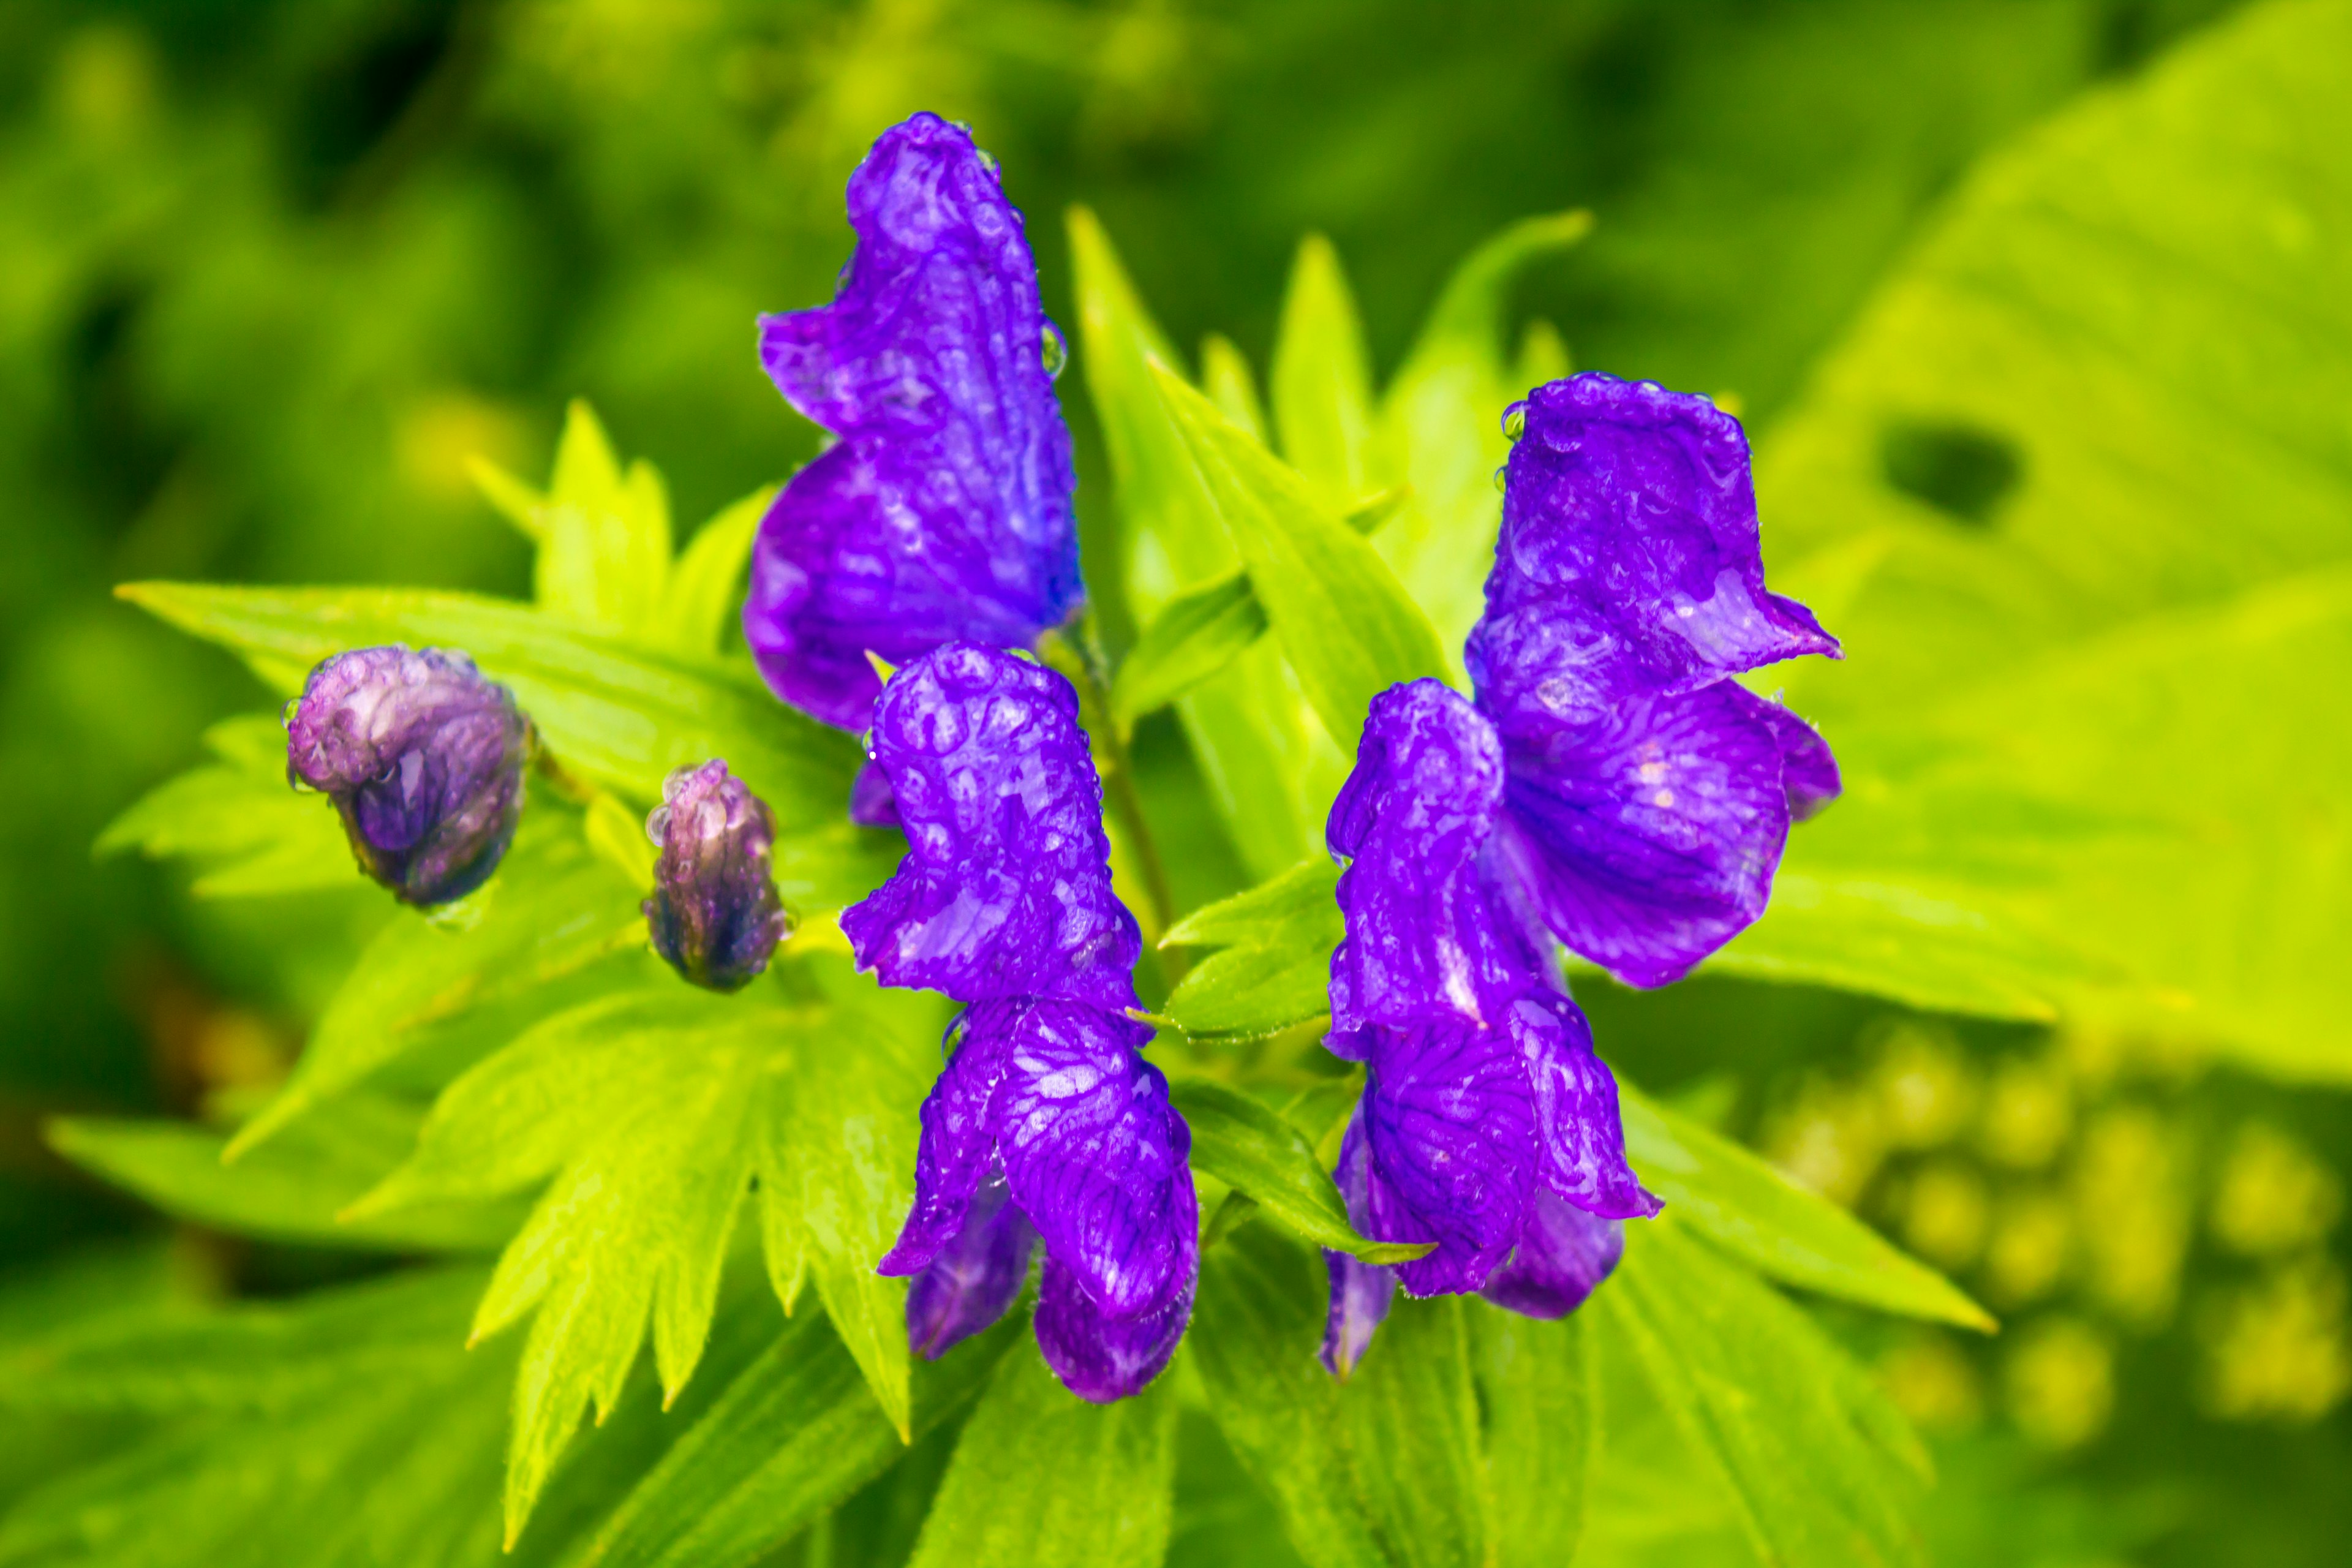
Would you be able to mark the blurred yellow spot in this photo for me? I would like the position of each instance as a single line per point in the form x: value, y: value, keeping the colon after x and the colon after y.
x: 234, y: 1048
x: 2029, y: 1112
x: 104, y: 85
x: 1945, y: 1214
x: 2273, y: 1195
x: 439, y: 436
x: 2032, y: 1238
x: 1829, y: 1140
x: 817, y: 933
x: 2277, y: 1350
x: 2059, y: 1383
x: 2131, y: 1213
x: 1933, y: 1382
x: 1925, y: 1090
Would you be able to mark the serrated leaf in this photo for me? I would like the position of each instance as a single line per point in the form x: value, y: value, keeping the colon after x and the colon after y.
x: 552, y: 909
x: 1383, y: 1469
x: 1539, y: 1389
x: 1441, y: 424
x: 1042, y: 1480
x: 618, y: 713
x: 790, y: 1436
x: 707, y: 579
x: 1749, y: 1209
x: 1824, y: 1470
x: 292, y: 1188
x: 1252, y: 1149
x: 604, y: 541
x: 1270, y: 768
x: 1347, y: 625
x: 1201, y: 633
x: 240, y: 817
x: 1323, y: 380
x: 1272, y: 966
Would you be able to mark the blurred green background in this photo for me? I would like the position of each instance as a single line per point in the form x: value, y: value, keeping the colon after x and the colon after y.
x: 271, y: 272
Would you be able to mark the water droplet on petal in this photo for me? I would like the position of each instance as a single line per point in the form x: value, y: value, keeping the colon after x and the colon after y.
x: 1058, y: 354
x: 676, y: 781
x: 657, y: 826
x: 1515, y: 421
x: 1498, y: 474
x: 987, y: 158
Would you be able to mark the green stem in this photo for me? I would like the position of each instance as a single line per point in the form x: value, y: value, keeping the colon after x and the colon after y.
x: 1065, y: 651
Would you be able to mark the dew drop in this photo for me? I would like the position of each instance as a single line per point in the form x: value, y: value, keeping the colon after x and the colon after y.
x: 1515, y: 422
x: 987, y: 159
x: 1500, y: 473
x: 1058, y: 354
x: 657, y: 826
x: 676, y: 781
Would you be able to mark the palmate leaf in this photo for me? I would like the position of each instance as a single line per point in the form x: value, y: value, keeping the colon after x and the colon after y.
x: 1824, y: 1468
x: 1270, y: 767
x: 238, y: 815
x: 2073, y: 493
x: 651, y: 1112
x: 614, y: 711
x: 1042, y: 1480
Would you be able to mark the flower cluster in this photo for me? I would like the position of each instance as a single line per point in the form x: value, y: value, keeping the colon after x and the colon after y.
x: 1611, y: 786
x: 1046, y: 1123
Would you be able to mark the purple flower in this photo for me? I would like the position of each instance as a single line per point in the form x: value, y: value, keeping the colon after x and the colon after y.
x: 943, y: 513
x: 1613, y: 789
x: 714, y: 914
x: 424, y: 759
x: 1046, y: 1123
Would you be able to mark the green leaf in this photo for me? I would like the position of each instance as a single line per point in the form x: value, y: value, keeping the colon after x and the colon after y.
x: 1201, y: 633
x: 1752, y: 1211
x: 1274, y: 963
x: 292, y: 1188
x: 1323, y: 380
x: 790, y: 1436
x: 2083, y: 447
x: 1255, y: 1151
x: 1441, y: 422
x: 604, y: 540
x: 1824, y: 1470
x: 620, y: 715
x: 553, y: 909
x: 1348, y: 628
x: 1382, y: 1469
x: 1539, y: 1388
x: 1270, y: 768
x: 255, y: 834
x: 1042, y: 1480
x: 707, y: 582
x: 1225, y: 377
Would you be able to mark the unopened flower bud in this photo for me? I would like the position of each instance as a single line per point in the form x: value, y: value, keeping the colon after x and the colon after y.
x: 422, y: 755
x: 714, y: 914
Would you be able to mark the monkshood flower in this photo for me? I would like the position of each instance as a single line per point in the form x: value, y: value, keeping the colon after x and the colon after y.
x: 943, y: 513
x: 714, y: 914
x: 1611, y: 787
x: 1046, y: 1123
x: 423, y: 758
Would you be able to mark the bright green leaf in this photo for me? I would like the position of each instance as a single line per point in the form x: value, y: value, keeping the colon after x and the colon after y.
x: 1201, y: 633
x: 1539, y: 1388
x: 1273, y: 965
x: 1225, y: 377
x: 605, y: 547
x: 1254, y: 1151
x: 253, y: 831
x: 1323, y: 380
x: 707, y: 580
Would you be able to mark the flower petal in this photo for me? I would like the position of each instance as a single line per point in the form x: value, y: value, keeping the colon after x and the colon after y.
x: 715, y: 914
x: 1430, y: 933
x: 1563, y: 1254
x: 1101, y: 1358
x: 871, y: 803
x: 1576, y: 1112
x: 1095, y: 1156
x: 1629, y: 518
x: 1648, y: 836
x: 1005, y: 889
x: 1361, y: 1292
x: 1449, y: 1123
x: 1809, y: 773
x: 969, y: 1285
x: 944, y: 509
x: 955, y: 1154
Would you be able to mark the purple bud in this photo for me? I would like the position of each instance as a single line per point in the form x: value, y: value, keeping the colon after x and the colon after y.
x: 423, y: 757
x: 714, y: 914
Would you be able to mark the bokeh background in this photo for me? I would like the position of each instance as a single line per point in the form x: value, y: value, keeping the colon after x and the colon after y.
x: 272, y: 272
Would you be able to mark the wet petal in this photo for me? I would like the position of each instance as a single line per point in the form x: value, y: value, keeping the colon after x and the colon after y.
x: 972, y: 1281
x: 1628, y: 560
x: 1005, y: 889
x: 1809, y: 773
x: 1576, y: 1112
x: 943, y: 510
x: 1648, y: 836
x: 1449, y: 1123
x: 956, y: 1152
x: 871, y: 803
x: 1361, y: 1292
x: 1563, y: 1254
x: 423, y: 757
x: 1431, y: 935
x: 1095, y: 1154
x: 1101, y: 1358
